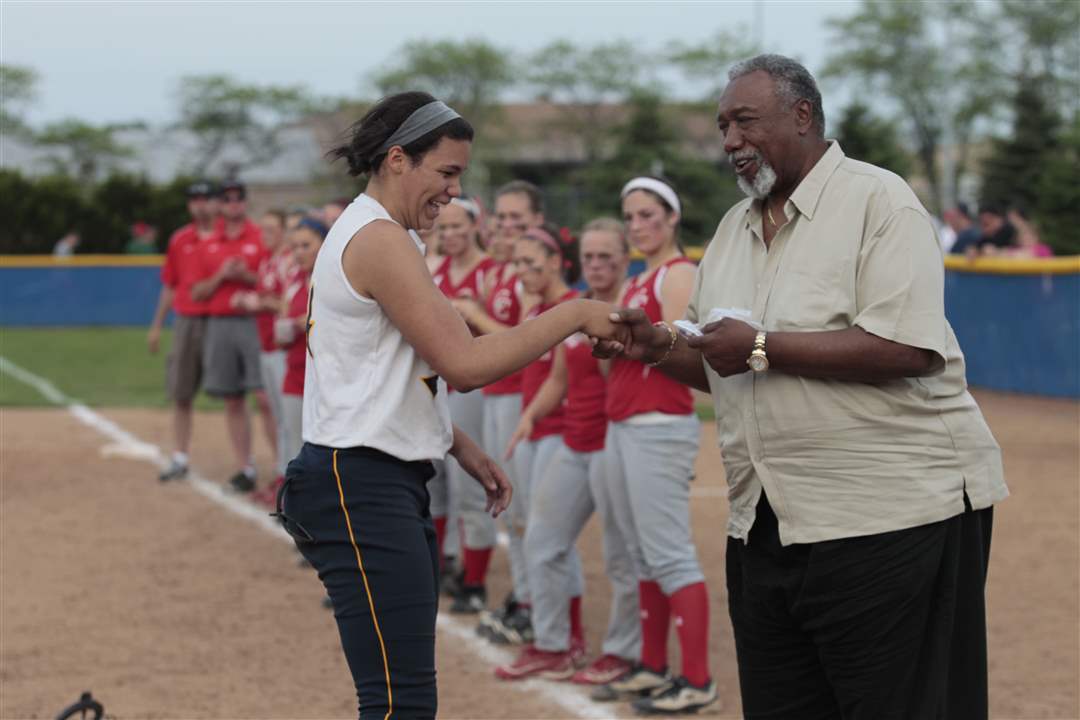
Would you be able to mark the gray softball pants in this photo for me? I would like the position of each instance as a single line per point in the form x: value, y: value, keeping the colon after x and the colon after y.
x: 467, y: 496
x: 272, y: 369
x: 650, y: 467
x: 564, y: 495
x: 501, y: 415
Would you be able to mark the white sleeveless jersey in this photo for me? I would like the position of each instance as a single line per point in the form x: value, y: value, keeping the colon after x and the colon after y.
x: 364, y: 385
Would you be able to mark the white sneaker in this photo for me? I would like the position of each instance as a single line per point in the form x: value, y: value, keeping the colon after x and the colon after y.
x: 679, y: 697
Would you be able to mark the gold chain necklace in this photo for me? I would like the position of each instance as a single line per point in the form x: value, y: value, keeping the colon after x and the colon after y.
x: 768, y: 209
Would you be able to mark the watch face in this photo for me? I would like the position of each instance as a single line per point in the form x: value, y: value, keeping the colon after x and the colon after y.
x: 758, y: 363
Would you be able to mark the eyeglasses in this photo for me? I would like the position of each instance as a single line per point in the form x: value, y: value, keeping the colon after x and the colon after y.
x: 297, y: 531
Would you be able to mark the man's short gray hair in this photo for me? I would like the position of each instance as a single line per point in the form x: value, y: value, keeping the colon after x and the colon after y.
x: 793, y: 82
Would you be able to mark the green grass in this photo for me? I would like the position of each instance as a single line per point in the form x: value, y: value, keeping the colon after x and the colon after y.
x: 103, y: 366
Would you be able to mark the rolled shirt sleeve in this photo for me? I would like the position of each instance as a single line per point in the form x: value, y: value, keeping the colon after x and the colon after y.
x: 900, y: 284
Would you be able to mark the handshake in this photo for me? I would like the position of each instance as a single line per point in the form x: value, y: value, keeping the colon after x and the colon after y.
x: 724, y: 341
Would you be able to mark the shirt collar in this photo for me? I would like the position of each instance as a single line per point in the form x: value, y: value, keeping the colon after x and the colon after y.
x: 808, y: 193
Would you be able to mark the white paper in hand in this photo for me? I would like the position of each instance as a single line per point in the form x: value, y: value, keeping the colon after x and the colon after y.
x: 690, y: 329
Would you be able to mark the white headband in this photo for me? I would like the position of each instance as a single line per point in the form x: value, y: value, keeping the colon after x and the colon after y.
x: 468, y: 205
x: 654, y: 186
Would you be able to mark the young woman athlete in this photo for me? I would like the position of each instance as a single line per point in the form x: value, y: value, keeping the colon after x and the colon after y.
x: 572, y: 485
x: 380, y: 340
x: 461, y: 274
x: 652, y: 444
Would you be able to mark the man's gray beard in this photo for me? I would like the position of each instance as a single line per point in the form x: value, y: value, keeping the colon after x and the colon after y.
x: 763, y: 182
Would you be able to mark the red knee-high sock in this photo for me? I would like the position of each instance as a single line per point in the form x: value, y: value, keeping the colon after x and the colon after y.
x: 577, y: 627
x: 655, y: 615
x: 476, y: 565
x: 440, y: 534
x: 690, y: 606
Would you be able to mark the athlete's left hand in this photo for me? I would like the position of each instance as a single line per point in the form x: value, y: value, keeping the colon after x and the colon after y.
x: 487, y: 472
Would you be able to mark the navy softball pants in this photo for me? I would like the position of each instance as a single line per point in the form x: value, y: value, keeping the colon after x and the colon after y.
x: 361, y: 518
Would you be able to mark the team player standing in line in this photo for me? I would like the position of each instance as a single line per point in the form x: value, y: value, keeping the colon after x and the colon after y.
x: 179, y: 274
x: 461, y: 275
x: 518, y: 206
x: 572, y: 485
x: 652, y: 444
x: 379, y: 336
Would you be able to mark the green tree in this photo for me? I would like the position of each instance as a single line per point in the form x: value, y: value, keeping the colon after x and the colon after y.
x: 587, y: 83
x: 706, y: 64
x: 1012, y: 170
x: 85, y: 150
x: 470, y: 75
x: 1057, y: 210
x: 17, y: 92
x: 1048, y: 32
x: 871, y: 139
x: 222, y: 113
x: 936, y: 61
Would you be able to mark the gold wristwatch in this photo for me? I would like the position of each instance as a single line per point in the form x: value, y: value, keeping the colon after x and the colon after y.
x: 757, y: 361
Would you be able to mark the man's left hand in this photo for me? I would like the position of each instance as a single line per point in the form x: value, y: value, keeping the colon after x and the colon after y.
x: 726, y: 345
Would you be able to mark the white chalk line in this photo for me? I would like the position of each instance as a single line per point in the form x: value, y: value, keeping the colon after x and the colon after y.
x: 124, y: 444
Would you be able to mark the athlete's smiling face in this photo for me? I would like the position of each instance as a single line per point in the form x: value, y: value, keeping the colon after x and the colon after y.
x: 456, y: 230
x: 534, y: 265
x: 430, y: 184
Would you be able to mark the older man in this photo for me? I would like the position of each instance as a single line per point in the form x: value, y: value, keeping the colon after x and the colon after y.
x: 861, y: 473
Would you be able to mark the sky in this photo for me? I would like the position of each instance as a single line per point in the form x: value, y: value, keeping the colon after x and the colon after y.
x: 108, y: 62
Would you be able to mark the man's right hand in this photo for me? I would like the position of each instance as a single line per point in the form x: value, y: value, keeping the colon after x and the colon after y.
x: 153, y: 338
x: 647, y: 343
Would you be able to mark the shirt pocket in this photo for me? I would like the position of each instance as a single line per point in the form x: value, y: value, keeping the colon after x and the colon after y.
x: 812, y: 292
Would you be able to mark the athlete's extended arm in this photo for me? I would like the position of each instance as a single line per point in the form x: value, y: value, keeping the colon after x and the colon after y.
x: 487, y: 472
x: 381, y: 262
x: 547, y: 398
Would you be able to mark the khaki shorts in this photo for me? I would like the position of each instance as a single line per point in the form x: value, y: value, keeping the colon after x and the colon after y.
x: 231, y: 356
x: 183, y: 366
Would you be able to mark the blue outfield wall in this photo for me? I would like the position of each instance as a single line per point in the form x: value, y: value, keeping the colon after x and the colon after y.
x: 1018, y: 321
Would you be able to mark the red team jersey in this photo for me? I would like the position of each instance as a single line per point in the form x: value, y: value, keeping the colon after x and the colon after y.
x: 584, y: 413
x: 183, y: 268
x: 471, y: 286
x: 634, y: 388
x: 276, y: 272
x: 296, y: 351
x: 503, y: 305
x: 212, y: 253
x: 534, y: 375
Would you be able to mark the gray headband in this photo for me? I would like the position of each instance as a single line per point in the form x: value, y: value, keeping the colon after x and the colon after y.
x: 423, y: 120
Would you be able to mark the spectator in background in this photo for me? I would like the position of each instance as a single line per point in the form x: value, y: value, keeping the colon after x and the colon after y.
x: 295, y: 215
x: 276, y: 272
x: 229, y: 266
x: 143, y: 239
x: 65, y: 246
x: 181, y: 270
x: 332, y: 210
x: 996, y: 233
x: 958, y: 219
x: 1028, y: 243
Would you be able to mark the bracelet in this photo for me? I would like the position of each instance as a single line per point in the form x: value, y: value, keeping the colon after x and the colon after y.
x: 671, y: 346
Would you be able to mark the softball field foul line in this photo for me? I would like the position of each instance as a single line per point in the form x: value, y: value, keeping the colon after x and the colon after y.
x: 565, y: 696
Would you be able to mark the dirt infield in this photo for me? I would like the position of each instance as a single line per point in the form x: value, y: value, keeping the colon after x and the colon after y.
x: 165, y: 605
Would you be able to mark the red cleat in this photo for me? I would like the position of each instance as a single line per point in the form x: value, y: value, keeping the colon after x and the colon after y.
x: 602, y: 670
x: 531, y: 662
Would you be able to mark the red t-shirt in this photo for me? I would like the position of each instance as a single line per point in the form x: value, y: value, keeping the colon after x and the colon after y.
x: 534, y: 375
x: 273, y: 278
x: 246, y: 245
x: 296, y: 351
x: 503, y: 305
x: 183, y: 268
x: 584, y: 413
x: 633, y: 387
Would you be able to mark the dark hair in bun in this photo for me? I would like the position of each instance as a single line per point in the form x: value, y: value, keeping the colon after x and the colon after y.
x: 368, y: 134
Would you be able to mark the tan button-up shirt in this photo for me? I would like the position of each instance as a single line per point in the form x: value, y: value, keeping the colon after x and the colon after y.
x: 841, y: 459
